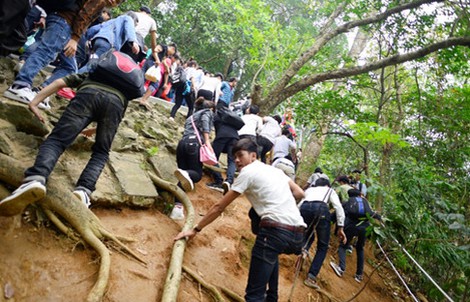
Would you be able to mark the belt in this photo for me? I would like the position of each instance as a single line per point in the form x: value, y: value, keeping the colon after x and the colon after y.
x: 268, y: 223
x: 313, y: 201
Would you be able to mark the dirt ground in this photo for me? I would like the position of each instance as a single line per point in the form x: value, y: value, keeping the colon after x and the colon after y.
x: 39, y: 264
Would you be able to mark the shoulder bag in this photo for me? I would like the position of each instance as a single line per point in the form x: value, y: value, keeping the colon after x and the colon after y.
x: 206, y: 155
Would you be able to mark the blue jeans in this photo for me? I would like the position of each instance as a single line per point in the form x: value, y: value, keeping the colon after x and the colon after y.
x: 89, y: 105
x: 53, y: 40
x: 224, y: 145
x: 264, y: 266
x: 317, y: 216
x: 100, y: 46
x: 351, y: 230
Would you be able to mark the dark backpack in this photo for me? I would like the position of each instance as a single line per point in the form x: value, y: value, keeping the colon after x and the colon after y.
x: 119, y: 71
x: 178, y: 76
x: 229, y: 117
x: 356, y: 207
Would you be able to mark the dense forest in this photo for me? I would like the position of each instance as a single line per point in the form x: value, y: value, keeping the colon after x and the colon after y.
x: 380, y: 86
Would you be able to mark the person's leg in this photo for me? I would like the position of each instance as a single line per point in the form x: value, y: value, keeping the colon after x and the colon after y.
x: 190, y: 99
x: 264, y: 262
x: 74, y: 119
x: 273, y: 284
x: 218, y: 145
x: 230, y: 161
x: 323, y: 239
x: 361, y: 240
x: 108, y: 110
x: 349, y: 232
x: 178, y: 100
x: 68, y: 65
x: 53, y: 40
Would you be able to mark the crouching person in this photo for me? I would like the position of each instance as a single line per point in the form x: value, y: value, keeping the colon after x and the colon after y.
x: 100, y: 98
x: 281, y: 229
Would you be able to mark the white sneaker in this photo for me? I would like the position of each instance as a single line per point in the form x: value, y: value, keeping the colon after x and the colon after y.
x: 226, y: 186
x: 177, y: 213
x: 25, y: 95
x: 26, y: 194
x: 337, y: 269
x: 83, y: 196
x: 184, y: 179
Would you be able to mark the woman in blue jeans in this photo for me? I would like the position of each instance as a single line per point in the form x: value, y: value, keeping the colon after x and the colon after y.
x: 316, y: 214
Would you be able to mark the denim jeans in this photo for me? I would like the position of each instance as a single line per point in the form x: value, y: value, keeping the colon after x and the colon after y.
x: 44, y: 51
x: 225, y: 145
x: 317, y: 216
x: 351, y: 230
x: 264, y: 266
x: 89, y: 105
x: 100, y: 46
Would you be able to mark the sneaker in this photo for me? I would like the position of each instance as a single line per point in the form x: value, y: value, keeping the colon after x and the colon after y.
x: 312, y: 283
x: 184, y: 179
x: 177, y: 213
x: 226, y: 186
x: 26, y: 194
x: 215, y: 186
x: 358, y: 278
x: 83, y: 196
x: 337, y: 269
x: 25, y: 95
x: 349, y: 249
x: 171, y: 119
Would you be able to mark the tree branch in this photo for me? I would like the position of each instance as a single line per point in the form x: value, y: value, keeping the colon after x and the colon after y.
x: 393, y: 60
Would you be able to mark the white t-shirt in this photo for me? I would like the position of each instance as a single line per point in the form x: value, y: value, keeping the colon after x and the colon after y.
x: 326, y: 195
x: 253, y: 124
x: 313, y: 178
x: 145, y: 25
x: 195, y: 74
x: 268, y: 191
x: 212, y: 84
x: 271, y: 129
x: 282, y: 146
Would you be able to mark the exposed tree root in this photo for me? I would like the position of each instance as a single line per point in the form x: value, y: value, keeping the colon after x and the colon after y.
x: 232, y: 295
x: 212, y: 289
x: 62, y: 203
x: 173, y: 277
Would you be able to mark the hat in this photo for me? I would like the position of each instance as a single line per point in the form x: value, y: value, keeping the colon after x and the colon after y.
x: 145, y: 9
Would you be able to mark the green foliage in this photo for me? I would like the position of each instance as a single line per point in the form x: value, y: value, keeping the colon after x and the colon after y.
x: 152, y: 151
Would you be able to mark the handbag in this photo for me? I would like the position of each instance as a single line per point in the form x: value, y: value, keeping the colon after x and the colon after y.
x: 206, y: 155
x: 153, y: 74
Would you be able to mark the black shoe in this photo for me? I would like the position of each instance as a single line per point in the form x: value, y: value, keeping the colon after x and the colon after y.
x: 226, y: 186
x: 215, y: 186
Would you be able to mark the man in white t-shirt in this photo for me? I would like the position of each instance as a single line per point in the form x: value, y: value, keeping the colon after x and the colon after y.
x: 253, y: 123
x: 145, y: 26
x: 281, y: 228
x: 284, y: 147
x: 271, y: 129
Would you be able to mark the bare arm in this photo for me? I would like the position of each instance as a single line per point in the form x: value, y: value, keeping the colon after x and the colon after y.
x: 296, y: 190
x: 43, y: 94
x: 153, y: 44
x: 210, y: 216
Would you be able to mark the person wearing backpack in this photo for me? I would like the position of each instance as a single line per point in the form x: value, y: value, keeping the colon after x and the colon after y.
x: 356, y: 209
x: 178, y: 80
x: 102, y: 97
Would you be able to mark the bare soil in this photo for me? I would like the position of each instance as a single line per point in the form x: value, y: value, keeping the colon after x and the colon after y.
x: 39, y: 264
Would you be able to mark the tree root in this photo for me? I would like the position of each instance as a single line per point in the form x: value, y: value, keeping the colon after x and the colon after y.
x: 173, y: 278
x: 232, y: 295
x: 212, y: 289
x: 62, y: 203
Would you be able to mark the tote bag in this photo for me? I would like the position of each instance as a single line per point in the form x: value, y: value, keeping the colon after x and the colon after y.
x: 206, y: 155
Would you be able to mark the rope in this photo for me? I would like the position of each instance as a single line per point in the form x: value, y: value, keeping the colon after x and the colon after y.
x: 422, y: 270
x: 396, y: 272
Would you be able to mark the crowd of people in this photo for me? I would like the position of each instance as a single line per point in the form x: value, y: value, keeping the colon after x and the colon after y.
x: 285, y: 217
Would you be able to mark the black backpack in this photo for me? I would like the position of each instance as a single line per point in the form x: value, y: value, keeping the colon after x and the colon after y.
x: 356, y: 207
x: 118, y: 70
x: 179, y: 75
